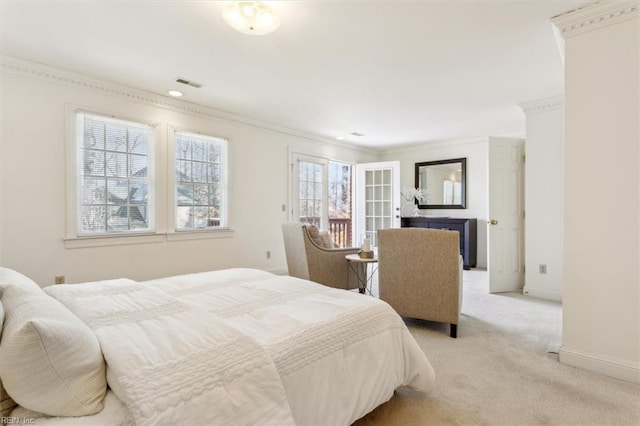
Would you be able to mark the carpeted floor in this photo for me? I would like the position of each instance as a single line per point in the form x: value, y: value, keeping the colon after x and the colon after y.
x: 503, y: 369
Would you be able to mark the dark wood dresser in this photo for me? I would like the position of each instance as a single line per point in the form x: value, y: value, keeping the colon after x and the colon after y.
x: 467, y: 228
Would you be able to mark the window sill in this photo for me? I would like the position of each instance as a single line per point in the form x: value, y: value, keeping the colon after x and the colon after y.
x: 121, y: 240
x: 112, y: 240
x: 200, y: 234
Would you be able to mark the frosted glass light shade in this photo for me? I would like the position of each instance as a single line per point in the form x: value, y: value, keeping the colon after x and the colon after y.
x: 251, y: 17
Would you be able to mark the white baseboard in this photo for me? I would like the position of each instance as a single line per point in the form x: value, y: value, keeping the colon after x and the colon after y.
x: 542, y: 293
x: 620, y: 370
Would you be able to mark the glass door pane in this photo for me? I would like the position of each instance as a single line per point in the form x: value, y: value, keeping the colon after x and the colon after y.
x: 340, y: 203
x: 310, y: 202
x: 378, y: 199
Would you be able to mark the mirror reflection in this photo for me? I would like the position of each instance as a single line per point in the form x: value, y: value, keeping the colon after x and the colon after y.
x: 443, y: 183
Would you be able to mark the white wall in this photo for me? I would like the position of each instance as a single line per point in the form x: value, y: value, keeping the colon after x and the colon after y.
x: 476, y: 152
x: 544, y: 192
x: 32, y: 187
x: 601, y: 288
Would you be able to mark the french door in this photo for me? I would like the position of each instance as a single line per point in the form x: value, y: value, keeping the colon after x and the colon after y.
x: 322, y: 195
x: 310, y: 190
x: 377, y: 199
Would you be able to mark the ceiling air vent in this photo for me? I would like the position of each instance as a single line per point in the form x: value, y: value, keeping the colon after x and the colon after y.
x: 188, y: 83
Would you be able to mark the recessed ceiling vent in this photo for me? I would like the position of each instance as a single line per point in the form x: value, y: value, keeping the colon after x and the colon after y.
x: 356, y: 134
x: 188, y: 83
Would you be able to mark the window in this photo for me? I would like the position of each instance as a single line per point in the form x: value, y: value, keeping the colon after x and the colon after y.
x: 115, y: 184
x: 311, y: 187
x: 135, y: 183
x: 201, y: 188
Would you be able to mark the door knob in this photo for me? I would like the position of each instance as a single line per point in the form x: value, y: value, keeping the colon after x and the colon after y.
x: 493, y: 222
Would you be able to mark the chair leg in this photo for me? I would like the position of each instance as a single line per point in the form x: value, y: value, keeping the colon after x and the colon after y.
x: 454, y: 331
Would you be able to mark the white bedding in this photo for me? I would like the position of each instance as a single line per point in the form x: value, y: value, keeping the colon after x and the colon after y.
x: 243, y: 346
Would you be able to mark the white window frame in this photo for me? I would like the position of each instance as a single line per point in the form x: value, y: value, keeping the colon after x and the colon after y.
x: 223, y: 230
x: 74, y: 237
x: 161, y: 158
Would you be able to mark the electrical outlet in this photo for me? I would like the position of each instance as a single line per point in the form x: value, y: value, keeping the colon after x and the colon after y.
x: 268, y: 254
x: 60, y: 279
x: 542, y: 268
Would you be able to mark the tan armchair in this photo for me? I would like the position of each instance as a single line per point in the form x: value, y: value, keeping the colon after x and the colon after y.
x: 420, y: 273
x: 309, y: 256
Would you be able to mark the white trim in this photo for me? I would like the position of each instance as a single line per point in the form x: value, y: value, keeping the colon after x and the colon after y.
x: 54, y: 75
x: 618, y: 369
x: 128, y: 239
x: 200, y: 234
x: 112, y: 240
x: 542, y: 293
x: 436, y: 144
x: 595, y: 16
x: 542, y: 105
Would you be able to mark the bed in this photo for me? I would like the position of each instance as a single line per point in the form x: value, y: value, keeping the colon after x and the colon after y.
x: 236, y: 346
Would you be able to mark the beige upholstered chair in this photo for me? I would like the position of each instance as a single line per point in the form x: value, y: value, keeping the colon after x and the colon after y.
x: 420, y: 273
x: 310, y: 256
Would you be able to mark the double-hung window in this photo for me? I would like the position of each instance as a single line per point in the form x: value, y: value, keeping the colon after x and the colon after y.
x: 120, y: 188
x: 115, y: 178
x: 201, y: 182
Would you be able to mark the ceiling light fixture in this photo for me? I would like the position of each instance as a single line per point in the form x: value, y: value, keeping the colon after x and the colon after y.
x: 175, y: 93
x: 251, y: 17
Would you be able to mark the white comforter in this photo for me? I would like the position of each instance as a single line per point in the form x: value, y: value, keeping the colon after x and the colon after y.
x: 243, y: 346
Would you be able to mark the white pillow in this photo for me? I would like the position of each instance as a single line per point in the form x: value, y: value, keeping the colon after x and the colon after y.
x: 10, y: 277
x: 50, y: 361
x: 327, y: 241
x: 6, y: 403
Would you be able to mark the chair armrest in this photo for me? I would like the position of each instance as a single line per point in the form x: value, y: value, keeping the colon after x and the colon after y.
x: 329, y: 267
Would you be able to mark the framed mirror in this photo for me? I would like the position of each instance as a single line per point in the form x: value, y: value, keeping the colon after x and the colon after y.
x: 443, y: 183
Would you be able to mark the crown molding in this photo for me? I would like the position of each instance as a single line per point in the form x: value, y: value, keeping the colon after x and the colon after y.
x: 542, y: 105
x: 418, y: 146
x: 595, y: 16
x: 58, y: 76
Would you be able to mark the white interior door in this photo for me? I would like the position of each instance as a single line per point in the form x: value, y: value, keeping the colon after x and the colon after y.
x: 377, y: 199
x: 506, y: 215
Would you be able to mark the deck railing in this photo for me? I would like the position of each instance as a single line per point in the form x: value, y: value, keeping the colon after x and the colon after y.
x: 339, y: 229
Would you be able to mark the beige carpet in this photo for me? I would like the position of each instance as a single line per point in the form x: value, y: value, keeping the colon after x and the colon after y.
x: 502, y: 370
